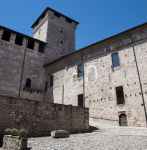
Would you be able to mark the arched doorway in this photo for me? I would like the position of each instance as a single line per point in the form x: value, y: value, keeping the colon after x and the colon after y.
x: 123, y: 120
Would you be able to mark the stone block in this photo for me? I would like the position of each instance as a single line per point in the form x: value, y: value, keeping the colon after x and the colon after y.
x: 60, y: 134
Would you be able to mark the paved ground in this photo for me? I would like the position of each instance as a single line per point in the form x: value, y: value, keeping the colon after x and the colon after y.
x: 107, y: 138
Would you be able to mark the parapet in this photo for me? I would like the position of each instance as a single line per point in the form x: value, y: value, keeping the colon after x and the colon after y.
x: 21, y: 39
x: 56, y: 13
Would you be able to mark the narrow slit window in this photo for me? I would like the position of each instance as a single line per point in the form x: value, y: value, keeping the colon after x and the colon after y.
x: 51, y: 81
x: 41, y: 47
x: 31, y: 44
x: 28, y: 83
x: 120, y: 95
x: 115, y: 60
x: 46, y: 86
x: 19, y: 40
x: 80, y: 100
x: 6, y: 35
x: 80, y: 70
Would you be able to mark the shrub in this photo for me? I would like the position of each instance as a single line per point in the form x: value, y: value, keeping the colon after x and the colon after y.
x: 14, y: 132
x: 23, y: 132
x: 8, y: 131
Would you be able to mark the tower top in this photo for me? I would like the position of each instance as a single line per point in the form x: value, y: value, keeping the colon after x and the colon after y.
x: 56, y: 12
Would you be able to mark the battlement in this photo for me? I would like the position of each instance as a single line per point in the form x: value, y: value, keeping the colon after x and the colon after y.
x: 55, y: 14
x: 20, y: 39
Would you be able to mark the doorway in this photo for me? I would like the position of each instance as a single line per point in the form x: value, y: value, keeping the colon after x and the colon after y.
x: 123, y: 120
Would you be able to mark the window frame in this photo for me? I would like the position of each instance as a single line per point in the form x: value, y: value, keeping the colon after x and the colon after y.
x: 120, y: 97
x: 80, y: 73
x: 46, y: 86
x: 28, y: 83
x: 79, y: 99
x: 51, y: 80
x: 114, y: 60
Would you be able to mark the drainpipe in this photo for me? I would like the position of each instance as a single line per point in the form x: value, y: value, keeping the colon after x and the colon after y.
x: 142, y: 94
x: 63, y: 94
x: 83, y: 79
x: 22, y: 70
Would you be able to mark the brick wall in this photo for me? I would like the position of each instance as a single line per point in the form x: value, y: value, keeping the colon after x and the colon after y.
x: 41, y: 118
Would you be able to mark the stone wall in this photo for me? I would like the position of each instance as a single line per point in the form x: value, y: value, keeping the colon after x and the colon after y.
x: 41, y: 118
x: 57, y: 32
x: 17, y: 62
x: 100, y: 78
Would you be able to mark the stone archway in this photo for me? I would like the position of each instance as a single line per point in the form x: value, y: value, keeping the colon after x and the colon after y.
x: 123, y: 120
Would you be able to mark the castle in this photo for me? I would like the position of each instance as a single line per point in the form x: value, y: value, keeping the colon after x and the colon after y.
x: 109, y: 77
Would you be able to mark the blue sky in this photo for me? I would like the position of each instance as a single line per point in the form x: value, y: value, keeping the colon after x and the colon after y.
x: 98, y: 19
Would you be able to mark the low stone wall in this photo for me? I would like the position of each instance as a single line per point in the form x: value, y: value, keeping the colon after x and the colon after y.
x: 41, y: 118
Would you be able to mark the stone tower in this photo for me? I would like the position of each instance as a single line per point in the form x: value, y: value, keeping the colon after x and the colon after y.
x: 58, y: 31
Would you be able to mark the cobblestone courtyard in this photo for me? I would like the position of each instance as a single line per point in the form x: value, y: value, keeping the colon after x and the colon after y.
x: 107, y: 138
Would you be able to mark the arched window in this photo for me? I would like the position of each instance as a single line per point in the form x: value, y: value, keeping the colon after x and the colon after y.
x: 123, y: 120
x: 28, y: 83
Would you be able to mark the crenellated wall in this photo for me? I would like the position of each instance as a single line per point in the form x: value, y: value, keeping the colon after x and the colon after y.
x: 17, y: 62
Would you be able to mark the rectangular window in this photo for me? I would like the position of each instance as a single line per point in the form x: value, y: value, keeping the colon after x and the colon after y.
x: 115, y: 60
x: 120, y: 95
x: 19, y: 40
x: 41, y: 47
x: 6, y: 35
x: 46, y: 86
x: 80, y: 100
x: 80, y: 70
x: 51, y: 80
x: 31, y: 44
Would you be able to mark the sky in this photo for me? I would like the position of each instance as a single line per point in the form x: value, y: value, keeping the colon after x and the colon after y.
x: 99, y: 19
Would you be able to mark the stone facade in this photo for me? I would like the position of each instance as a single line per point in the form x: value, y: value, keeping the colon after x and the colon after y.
x: 51, y: 69
x: 100, y: 79
x: 18, y: 62
x: 41, y: 118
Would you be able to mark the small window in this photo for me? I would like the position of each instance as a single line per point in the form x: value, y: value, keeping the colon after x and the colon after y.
x: 6, y: 35
x: 120, y: 95
x: 80, y: 100
x: 51, y: 80
x: 31, y: 44
x: 19, y: 40
x: 46, y: 86
x: 115, y: 60
x: 61, y: 42
x: 28, y: 83
x: 80, y: 70
x: 62, y: 31
x: 41, y: 47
